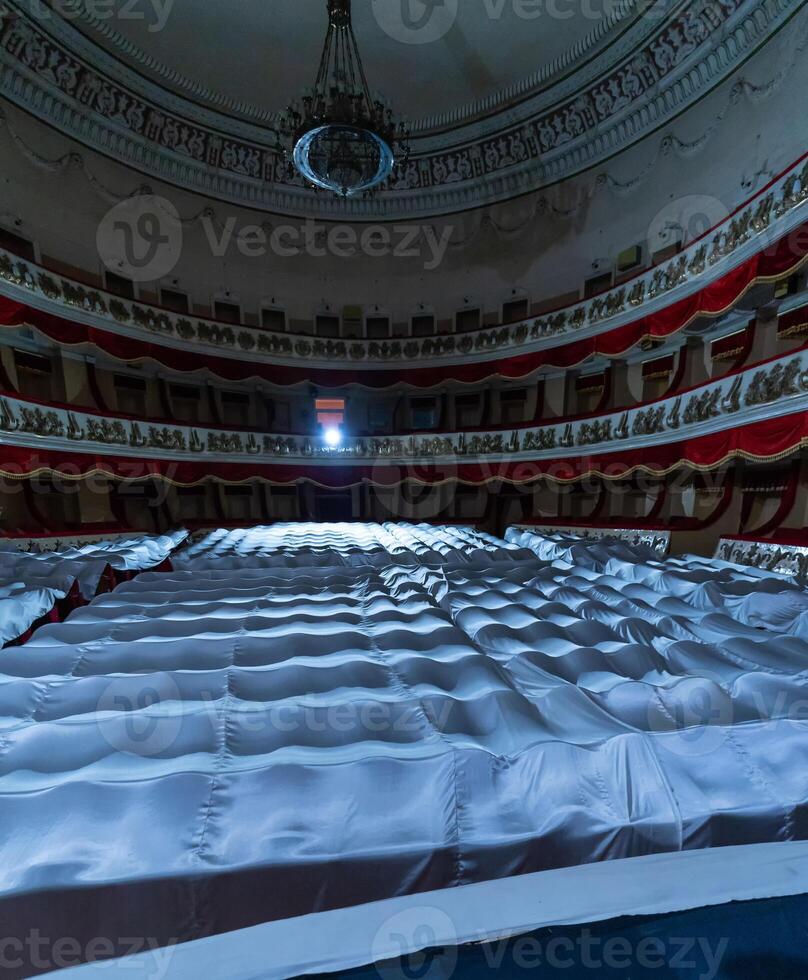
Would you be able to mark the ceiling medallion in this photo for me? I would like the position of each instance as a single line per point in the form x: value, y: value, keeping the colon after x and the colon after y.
x: 340, y: 138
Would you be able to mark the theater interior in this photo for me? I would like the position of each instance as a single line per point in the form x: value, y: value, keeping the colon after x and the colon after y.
x: 404, y: 489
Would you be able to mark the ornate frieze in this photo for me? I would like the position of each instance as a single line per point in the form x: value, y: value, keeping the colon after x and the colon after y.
x: 762, y: 221
x: 166, y: 438
x: 780, y: 387
x: 658, y: 540
x: 583, y: 53
x: 38, y: 422
x: 682, y: 57
x: 775, y: 382
x: 703, y: 406
x: 109, y: 431
x: 766, y: 555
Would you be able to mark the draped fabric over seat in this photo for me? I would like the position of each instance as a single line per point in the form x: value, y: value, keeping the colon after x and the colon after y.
x: 375, y: 711
x: 31, y: 583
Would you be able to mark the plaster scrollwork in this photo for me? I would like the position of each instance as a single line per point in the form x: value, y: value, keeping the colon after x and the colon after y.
x: 780, y: 387
x: 136, y: 437
x: 731, y: 402
x: 759, y: 221
x: 591, y: 433
x: 539, y: 440
x: 690, y: 53
x: 648, y: 421
x: 74, y: 430
x: 225, y: 442
x: 672, y: 419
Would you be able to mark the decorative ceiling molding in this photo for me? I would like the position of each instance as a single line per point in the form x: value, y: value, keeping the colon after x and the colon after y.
x: 543, y: 207
x: 623, y: 12
x: 685, y: 149
x: 65, y: 37
x: 687, y: 57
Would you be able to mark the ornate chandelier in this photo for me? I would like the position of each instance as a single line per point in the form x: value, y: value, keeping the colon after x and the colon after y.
x: 339, y: 137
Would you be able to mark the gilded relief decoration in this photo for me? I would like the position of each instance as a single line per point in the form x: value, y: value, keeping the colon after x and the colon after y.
x: 659, y: 541
x: 763, y: 220
x: 783, y: 559
x: 781, y: 387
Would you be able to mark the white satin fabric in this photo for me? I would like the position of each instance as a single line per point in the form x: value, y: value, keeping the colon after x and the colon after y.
x: 21, y: 605
x: 308, y: 544
x: 222, y: 745
x: 31, y: 582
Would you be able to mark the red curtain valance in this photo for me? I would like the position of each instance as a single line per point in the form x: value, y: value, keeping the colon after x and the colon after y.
x: 793, y: 322
x: 777, y: 260
x: 766, y: 440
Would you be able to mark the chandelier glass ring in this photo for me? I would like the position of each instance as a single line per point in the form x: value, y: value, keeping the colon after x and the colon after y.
x: 338, y: 136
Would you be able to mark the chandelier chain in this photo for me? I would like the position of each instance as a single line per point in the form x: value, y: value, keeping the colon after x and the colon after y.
x: 338, y: 136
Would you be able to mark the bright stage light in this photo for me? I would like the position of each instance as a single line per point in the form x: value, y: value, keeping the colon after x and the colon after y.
x: 333, y: 437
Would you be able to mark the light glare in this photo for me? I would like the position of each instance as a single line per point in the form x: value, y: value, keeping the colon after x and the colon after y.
x: 333, y: 437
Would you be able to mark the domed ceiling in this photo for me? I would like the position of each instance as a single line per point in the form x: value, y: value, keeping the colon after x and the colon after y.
x: 504, y: 96
x: 438, y: 60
